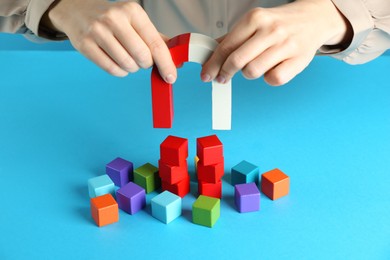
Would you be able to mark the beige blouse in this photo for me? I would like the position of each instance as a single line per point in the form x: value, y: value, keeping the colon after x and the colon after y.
x: 370, y: 20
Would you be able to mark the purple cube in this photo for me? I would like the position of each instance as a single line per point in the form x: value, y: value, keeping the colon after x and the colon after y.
x: 120, y: 171
x: 247, y: 197
x: 131, y: 198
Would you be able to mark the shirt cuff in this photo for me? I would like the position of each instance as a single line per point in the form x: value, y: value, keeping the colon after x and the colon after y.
x: 35, y: 10
x: 362, y: 24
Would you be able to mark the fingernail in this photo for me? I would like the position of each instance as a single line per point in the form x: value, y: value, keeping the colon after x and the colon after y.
x: 206, y: 77
x: 120, y: 73
x: 131, y: 69
x: 170, y: 79
x: 221, y: 79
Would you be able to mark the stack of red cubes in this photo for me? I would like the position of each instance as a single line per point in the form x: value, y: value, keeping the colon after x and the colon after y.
x: 210, y: 169
x: 173, y: 167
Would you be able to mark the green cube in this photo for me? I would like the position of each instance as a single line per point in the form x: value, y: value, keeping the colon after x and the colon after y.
x: 147, y: 177
x: 206, y: 211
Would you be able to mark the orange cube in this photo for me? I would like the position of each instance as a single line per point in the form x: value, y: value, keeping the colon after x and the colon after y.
x: 104, y: 210
x: 196, y: 160
x: 275, y: 184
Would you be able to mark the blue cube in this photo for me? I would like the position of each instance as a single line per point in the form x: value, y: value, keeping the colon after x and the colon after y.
x: 245, y: 172
x: 166, y: 207
x: 100, y: 185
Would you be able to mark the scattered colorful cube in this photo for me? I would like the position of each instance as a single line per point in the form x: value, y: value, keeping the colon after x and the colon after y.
x: 100, y: 185
x: 131, y: 198
x: 175, y: 182
x: 166, y: 207
x: 104, y: 210
x: 120, y: 171
x: 147, y: 177
x: 206, y: 211
x: 275, y: 184
x: 247, y: 197
x: 244, y: 172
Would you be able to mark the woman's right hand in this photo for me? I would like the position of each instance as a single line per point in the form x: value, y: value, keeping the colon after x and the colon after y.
x: 118, y: 36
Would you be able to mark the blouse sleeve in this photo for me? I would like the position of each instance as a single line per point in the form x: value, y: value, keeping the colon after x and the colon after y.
x: 370, y: 21
x: 24, y: 16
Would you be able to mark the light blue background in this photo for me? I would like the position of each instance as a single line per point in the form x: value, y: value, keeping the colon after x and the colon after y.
x: 62, y: 120
x: 19, y: 42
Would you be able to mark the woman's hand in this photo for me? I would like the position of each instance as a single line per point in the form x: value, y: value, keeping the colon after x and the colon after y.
x: 277, y: 42
x: 118, y: 37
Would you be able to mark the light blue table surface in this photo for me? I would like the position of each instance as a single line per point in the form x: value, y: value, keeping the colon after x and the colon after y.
x: 62, y: 120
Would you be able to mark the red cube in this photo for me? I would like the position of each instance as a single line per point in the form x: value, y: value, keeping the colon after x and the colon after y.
x: 209, y: 150
x: 172, y: 174
x: 174, y: 150
x: 210, y: 189
x: 181, y: 188
x: 210, y: 173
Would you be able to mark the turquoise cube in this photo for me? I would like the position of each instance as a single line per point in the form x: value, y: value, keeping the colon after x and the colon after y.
x: 100, y: 185
x: 166, y: 207
x: 245, y: 172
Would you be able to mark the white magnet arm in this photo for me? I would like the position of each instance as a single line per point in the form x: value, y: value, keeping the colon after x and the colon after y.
x: 201, y: 48
x: 222, y: 105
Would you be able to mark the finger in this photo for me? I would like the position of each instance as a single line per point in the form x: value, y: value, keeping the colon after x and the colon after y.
x: 115, y: 50
x: 134, y: 45
x: 286, y: 71
x: 228, y: 44
x: 267, y: 60
x: 247, y: 52
x: 220, y: 39
x: 158, y: 48
x: 94, y: 53
x: 164, y: 37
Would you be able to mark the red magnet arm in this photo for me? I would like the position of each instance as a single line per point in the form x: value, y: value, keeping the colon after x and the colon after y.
x: 162, y: 94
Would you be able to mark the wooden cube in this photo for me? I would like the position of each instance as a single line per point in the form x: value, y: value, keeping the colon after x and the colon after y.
x: 172, y: 173
x: 210, y: 189
x: 174, y: 150
x: 210, y: 173
x: 104, y: 210
x: 206, y: 211
x: 147, y: 177
x: 275, y: 184
x: 181, y: 188
x: 244, y: 172
x: 166, y: 207
x: 209, y: 149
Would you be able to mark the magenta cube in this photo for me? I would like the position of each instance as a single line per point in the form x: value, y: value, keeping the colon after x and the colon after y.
x: 131, y: 198
x: 120, y: 171
x: 247, y: 197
